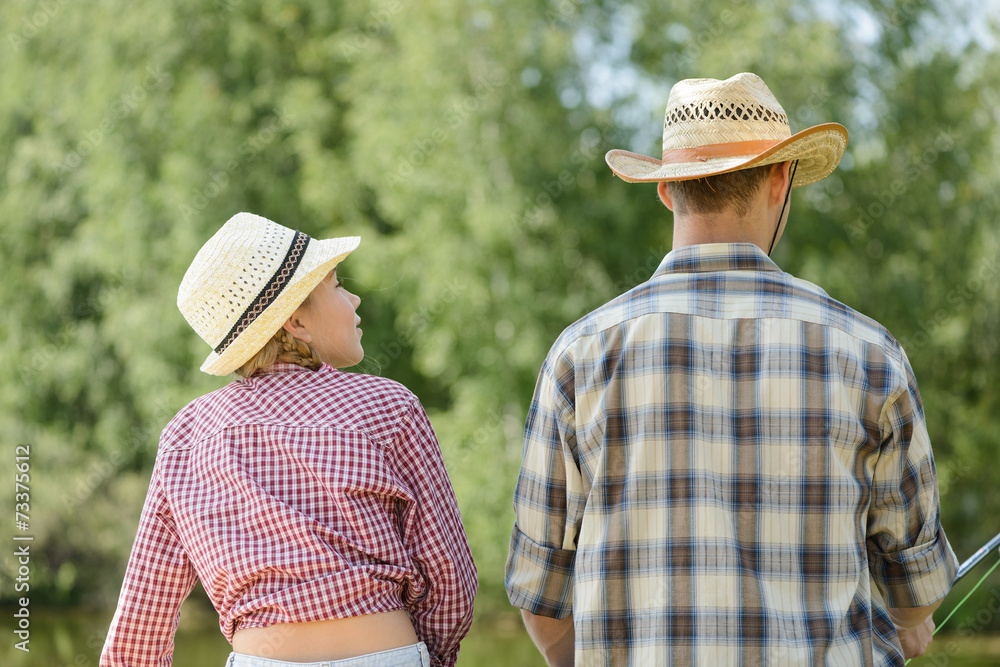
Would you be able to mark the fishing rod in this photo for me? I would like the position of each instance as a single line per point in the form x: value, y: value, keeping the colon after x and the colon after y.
x: 964, y: 569
x: 973, y: 560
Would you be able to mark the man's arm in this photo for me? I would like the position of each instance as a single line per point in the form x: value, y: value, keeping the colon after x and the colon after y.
x: 911, y: 563
x: 548, y: 504
x: 915, y: 627
x: 554, y: 638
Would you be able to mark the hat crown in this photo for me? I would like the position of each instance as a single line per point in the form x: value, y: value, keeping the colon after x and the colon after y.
x: 713, y: 127
x: 702, y: 112
x: 230, y: 271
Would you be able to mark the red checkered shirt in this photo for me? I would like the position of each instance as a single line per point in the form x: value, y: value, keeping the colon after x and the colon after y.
x: 297, y: 496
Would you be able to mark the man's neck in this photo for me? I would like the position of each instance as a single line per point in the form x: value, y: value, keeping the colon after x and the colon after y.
x: 717, y: 228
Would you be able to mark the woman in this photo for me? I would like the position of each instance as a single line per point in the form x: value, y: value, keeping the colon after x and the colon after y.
x: 313, y: 505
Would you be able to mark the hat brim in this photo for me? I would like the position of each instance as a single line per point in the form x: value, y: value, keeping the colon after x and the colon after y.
x: 321, y: 257
x: 818, y: 150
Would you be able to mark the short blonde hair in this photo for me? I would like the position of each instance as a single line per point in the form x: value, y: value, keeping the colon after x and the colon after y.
x: 282, y: 346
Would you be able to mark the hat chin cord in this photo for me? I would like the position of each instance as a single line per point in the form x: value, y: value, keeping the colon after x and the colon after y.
x: 788, y: 195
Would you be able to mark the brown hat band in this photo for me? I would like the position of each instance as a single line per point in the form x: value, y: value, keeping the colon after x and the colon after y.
x: 710, y: 151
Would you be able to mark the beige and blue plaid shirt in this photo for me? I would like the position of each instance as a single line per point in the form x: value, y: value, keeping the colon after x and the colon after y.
x: 725, y: 466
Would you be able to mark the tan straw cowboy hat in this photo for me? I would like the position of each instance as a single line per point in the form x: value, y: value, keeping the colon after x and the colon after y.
x: 247, y: 280
x: 713, y: 127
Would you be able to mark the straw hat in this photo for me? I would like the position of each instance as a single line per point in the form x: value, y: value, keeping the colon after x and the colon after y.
x: 247, y: 280
x: 713, y: 127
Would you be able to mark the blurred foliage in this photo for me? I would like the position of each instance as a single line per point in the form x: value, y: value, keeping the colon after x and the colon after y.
x: 464, y: 142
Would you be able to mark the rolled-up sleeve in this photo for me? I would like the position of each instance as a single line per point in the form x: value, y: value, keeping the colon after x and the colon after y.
x: 539, y: 572
x: 158, y: 579
x: 436, y: 541
x: 910, y: 559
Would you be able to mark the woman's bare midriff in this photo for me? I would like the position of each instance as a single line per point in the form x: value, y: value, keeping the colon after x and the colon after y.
x: 327, y: 640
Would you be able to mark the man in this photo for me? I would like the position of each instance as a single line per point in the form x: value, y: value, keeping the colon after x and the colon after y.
x: 724, y: 465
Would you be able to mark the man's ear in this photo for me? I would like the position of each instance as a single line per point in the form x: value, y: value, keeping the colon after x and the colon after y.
x: 779, y: 183
x: 295, y: 326
x: 661, y: 189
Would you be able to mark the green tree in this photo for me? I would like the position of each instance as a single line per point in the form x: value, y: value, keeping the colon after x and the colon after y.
x: 464, y: 142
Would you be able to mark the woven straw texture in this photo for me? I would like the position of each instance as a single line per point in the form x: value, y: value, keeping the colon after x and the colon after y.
x: 243, y: 269
x: 709, y: 112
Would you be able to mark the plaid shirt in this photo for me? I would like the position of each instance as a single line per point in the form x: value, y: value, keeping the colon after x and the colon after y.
x: 726, y: 466
x: 297, y: 496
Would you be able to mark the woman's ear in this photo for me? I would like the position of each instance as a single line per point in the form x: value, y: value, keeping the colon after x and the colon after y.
x: 296, y: 326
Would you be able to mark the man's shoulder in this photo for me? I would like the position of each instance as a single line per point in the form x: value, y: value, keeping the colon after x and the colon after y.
x: 837, y: 315
x: 596, y: 319
x: 606, y: 316
x: 750, y: 295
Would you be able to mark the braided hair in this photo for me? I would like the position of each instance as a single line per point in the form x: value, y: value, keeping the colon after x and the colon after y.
x: 282, y: 347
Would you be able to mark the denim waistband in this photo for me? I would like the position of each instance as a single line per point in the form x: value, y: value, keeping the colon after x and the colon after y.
x: 415, y: 655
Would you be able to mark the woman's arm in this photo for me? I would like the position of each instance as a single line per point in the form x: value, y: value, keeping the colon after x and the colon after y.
x: 157, y: 580
x: 435, y: 539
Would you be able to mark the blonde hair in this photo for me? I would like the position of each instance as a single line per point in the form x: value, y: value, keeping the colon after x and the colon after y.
x: 282, y: 347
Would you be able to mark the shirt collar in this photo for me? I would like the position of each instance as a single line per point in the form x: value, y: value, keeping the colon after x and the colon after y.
x: 284, y: 367
x: 716, y: 257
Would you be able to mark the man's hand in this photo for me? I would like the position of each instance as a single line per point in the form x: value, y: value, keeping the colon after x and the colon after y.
x: 915, y: 640
x: 915, y: 627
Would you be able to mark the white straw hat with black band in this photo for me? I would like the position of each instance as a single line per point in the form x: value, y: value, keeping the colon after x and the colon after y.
x: 247, y: 280
x: 712, y: 127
